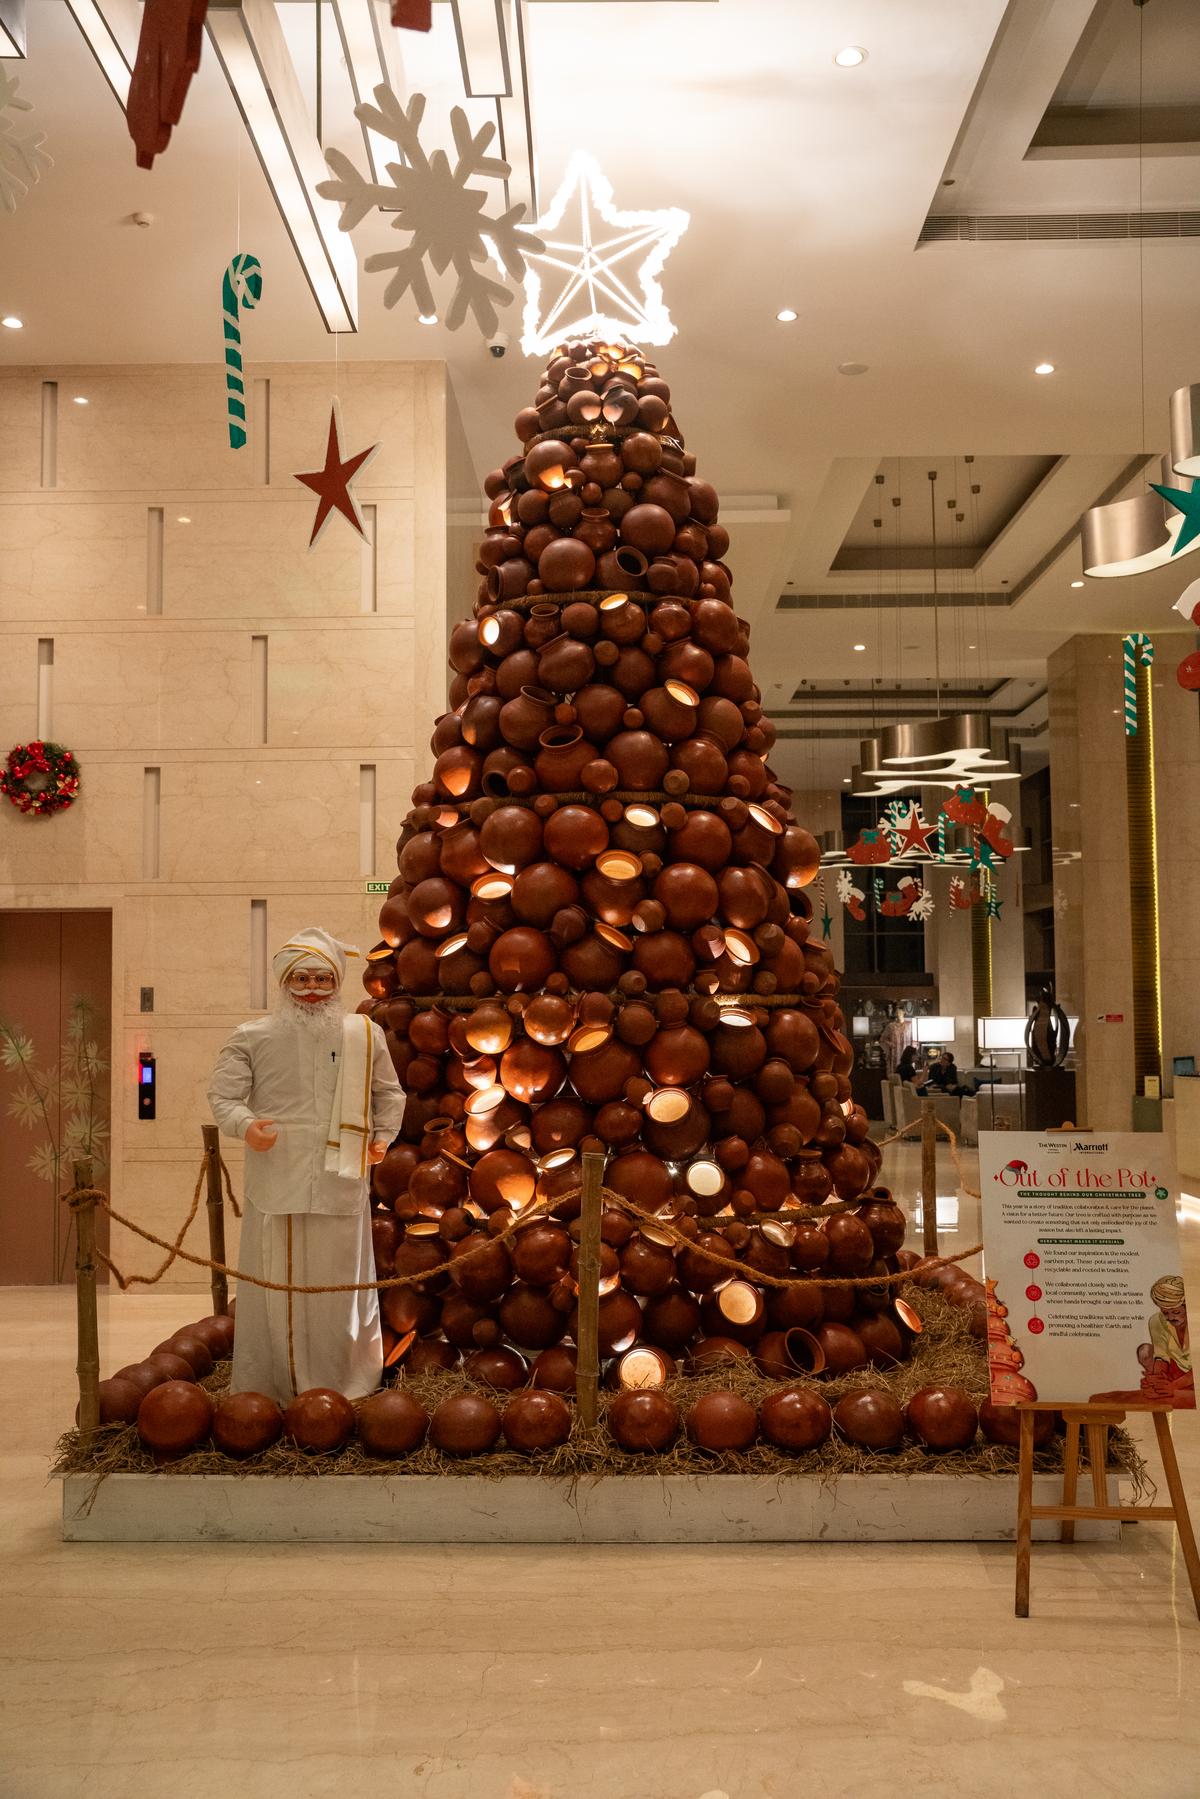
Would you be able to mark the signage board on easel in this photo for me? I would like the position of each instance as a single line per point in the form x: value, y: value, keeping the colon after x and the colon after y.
x: 1081, y: 1258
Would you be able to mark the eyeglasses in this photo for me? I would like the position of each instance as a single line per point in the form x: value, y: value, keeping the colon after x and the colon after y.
x: 305, y: 979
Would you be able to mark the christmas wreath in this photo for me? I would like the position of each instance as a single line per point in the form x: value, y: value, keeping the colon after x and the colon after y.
x: 40, y: 778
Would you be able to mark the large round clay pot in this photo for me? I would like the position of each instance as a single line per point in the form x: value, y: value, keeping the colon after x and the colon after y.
x: 555, y: 1369
x: 216, y: 1332
x: 870, y: 1418
x: 642, y: 1178
x: 649, y: 528
x: 703, y: 839
x: 842, y: 1347
x: 744, y: 897
x: 671, y: 1319
x: 722, y: 1421
x: 521, y: 960
x: 1002, y: 1424
x: 465, y: 1424
x: 640, y: 760
x: 543, y: 889
x: 559, y: 1125
x: 523, y: 719
x: 688, y: 893
x: 530, y: 1318
x: 173, y: 1366
x: 193, y: 1350
x: 511, y: 838
x: 392, y: 1423
x: 498, y: 1367
x: 794, y: 1036
x: 599, y: 1075
x: 703, y: 761
x: 796, y: 1419
x: 502, y: 1177
x: 643, y: 1421
x: 599, y: 711
x: 677, y: 1056
x: 851, y: 1247
x: 566, y: 565
x: 886, y: 1223
x: 173, y: 1418
x: 881, y: 1339
x: 481, y: 1268
x: 647, y: 1268
x: 704, y: 1263
x: 537, y: 1420
x: 812, y: 1182
x: 437, y: 907
x: 943, y: 1417
x: 549, y: 1019
x: 319, y: 1419
x: 541, y: 1253
x: 851, y: 1172
x: 530, y: 1072
x: 797, y: 857
x: 142, y: 1376
x: 574, y: 836
x: 562, y: 758
x: 119, y: 1401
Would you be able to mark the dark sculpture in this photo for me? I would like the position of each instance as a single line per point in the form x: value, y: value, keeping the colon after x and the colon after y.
x: 1048, y: 1032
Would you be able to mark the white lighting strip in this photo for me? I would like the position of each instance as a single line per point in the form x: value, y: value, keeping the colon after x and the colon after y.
x: 112, y: 29
x: 251, y: 49
x: 482, y: 49
x: 371, y: 49
x: 12, y: 28
x: 514, y: 114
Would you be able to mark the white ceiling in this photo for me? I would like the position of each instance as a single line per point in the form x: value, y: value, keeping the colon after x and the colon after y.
x: 808, y: 186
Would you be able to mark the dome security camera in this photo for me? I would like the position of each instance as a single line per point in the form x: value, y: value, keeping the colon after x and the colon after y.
x: 498, y: 344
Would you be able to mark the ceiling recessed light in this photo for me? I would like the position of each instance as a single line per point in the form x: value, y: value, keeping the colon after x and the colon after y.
x: 845, y: 780
x: 852, y: 368
x: 970, y: 646
x: 860, y: 646
x: 81, y: 399
x: 1077, y: 584
x: 786, y: 317
x: 12, y: 323
x: 850, y: 57
x: 427, y: 318
x: 183, y: 519
x: 1044, y: 368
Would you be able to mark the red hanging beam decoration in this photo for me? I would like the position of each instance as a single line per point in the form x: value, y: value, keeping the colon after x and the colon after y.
x: 168, y: 55
x: 412, y: 15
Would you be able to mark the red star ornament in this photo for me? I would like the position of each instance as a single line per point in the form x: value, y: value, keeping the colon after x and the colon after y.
x: 913, y: 835
x: 331, y: 484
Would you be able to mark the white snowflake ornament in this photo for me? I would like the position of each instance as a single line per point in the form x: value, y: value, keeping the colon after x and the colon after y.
x: 433, y: 201
x: 923, y: 907
x: 22, y: 159
x: 844, y: 887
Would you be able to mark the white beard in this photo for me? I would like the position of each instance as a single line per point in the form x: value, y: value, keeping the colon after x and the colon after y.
x: 319, y: 1018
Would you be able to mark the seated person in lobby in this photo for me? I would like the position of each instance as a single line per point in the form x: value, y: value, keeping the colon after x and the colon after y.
x: 907, y: 1068
x: 943, y: 1077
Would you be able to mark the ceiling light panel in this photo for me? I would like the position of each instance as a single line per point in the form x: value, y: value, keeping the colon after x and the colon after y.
x: 482, y: 49
x: 370, y: 48
x: 12, y: 28
x: 112, y: 28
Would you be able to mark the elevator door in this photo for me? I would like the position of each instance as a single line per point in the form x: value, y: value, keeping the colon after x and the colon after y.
x: 55, y: 1083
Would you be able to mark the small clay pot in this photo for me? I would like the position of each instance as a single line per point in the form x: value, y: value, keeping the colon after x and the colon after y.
x: 943, y: 1417
x: 521, y: 960
x: 536, y: 1420
x: 643, y: 1421
x: 465, y: 1424
x: 119, y: 1401
x: 319, y: 1419
x: 795, y: 1419
x: 391, y: 1423
x: 1002, y: 1424
x: 173, y: 1418
x: 842, y: 1347
x: 870, y: 1418
x: 499, y: 1367
x: 721, y: 1421
x: 555, y: 1369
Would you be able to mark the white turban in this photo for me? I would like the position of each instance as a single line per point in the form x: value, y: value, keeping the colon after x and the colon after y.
x: 312, y: 948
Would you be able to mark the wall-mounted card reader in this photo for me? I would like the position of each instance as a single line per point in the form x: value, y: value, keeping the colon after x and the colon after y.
x: 147, y: 1084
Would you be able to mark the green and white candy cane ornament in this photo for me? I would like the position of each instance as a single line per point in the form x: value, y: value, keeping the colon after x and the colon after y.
x: 1136, y: 645
x: 241, y: 282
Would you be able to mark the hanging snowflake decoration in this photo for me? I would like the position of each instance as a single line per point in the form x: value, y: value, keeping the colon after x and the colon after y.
x: 444, y: 215
x: 22, y: 159
x: 923, y: 907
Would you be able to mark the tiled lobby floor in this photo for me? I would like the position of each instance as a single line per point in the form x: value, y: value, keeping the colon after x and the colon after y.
x: 877, y: 1672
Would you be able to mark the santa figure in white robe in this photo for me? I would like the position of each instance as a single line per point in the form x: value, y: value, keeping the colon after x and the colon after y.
x: 313, y: 1093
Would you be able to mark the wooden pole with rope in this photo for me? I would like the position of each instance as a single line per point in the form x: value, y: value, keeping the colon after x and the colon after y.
x: 587, y: 1367
x: 929, y: 1176
x: 216, y: 1217
x: 87, y: 1359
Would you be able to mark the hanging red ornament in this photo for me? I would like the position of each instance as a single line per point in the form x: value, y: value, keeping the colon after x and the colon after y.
x: 168, y: 55
x: 1188, y: 672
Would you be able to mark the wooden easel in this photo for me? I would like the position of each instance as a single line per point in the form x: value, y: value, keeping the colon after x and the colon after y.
x: 1095, y: 1420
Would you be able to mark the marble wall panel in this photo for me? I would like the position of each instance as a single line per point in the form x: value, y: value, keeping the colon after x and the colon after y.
x: 19, y: 683
x: 97, y: 841
x: 157, y: 426
x: 250, y: 559
x: 257, y: 821
x: 157, y: 1195
x: 20, y: 429
x: 152, y: 689
x: 331, y: 688
x: 66, y: 558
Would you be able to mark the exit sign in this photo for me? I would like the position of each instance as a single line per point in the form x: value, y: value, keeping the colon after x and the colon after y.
x: 376, y: 887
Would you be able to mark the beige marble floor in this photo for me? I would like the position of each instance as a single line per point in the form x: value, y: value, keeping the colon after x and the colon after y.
x: 148, y: 1671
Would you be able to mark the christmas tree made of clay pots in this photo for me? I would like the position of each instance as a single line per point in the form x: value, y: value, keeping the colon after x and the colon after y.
x: 599, y: 936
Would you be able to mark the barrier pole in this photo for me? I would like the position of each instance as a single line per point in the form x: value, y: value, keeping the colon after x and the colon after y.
x: 587, y: 1370
x: 216, y: 1216
x: 87, y: 1360
x: 929, y: 1176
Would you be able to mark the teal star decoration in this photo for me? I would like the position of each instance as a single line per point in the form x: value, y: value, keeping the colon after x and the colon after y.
x: 982, y: 854
x: 994, y: 903
x: 827, y: 923
x: 1187, y: 501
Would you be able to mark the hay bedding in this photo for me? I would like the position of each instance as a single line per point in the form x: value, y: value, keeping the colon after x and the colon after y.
x: 945, y: 1353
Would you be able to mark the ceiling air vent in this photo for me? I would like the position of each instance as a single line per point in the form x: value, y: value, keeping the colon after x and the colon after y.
x: 1055, y: 227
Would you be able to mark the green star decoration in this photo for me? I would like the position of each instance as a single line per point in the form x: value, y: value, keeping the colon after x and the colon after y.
x: 1187, y: 501
x: 994, y: 903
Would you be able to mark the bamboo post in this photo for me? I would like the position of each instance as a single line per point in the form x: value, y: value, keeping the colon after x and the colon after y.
x: 929, y: 1176
x: 216, y: 1216
x: 587, y: 1368
x: 87, y: 1360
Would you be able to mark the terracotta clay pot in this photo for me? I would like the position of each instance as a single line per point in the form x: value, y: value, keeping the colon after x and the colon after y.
x: 319, y: 1419
x: 555, y: 1369
x: 672, y: 1319
x: 536, y: 1420
x: 521, y: 960
x: 530, y: 1072
x: 482, y: 1269
x: 943, y: 1417
x: 193, y: 1350
x: 882, y: 1340
x: 173, y: 1418
x: 640, y: 760
x: 644, y: 1179
x: 142, y: 1376
x: 429, y: 1355
x: 643, y: 1421
x: 530, y: 1318
x: 1002, y: 1424
x: 574, y: 836
x: 842, y: 1347
x: 688, y: 893
x: 544, y: 888
x: 392, y: 1423
x: 502, y: 1177
x: 499, y: 1367
x: 870, y: 1418
x: 465, y: 1424
x: 511, y: 838
x: 566, y: 565
x: 851, y: 1247
x: 119, y: 1401
x: 173, y: 1366
x: 722, y: 1421
x: 795, y: 1419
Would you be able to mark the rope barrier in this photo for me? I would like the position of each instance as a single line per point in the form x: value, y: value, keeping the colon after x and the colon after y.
x: 654, y: 1220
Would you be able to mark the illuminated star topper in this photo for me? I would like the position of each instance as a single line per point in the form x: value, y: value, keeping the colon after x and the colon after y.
x: 597, y: 275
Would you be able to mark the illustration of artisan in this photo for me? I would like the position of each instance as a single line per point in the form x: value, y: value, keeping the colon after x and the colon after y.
x: 1168, y: 1354
x: 313, y: 1093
